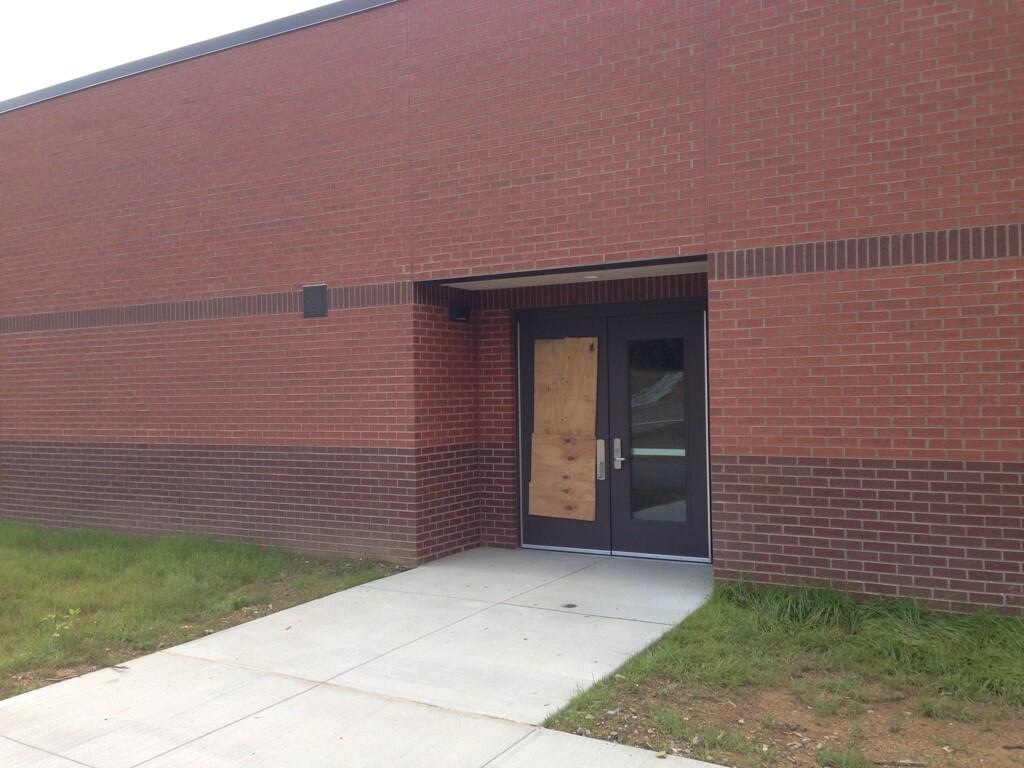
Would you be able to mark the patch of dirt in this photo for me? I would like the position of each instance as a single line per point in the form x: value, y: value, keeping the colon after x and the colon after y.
x: 40, y: 676
x: 773, y: 727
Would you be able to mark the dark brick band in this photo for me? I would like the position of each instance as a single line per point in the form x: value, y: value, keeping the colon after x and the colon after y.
x: 352, y: 500
x: 376, y: 295
x: 354, y: 296
x: 950, y: 532
x: 163, y: 312
x: 992, y: 242
x: 277, y: 303
x: 408, y: 505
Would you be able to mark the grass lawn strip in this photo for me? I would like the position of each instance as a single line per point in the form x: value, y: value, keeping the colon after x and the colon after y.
x: 762, y: 677
x: 73, y: 601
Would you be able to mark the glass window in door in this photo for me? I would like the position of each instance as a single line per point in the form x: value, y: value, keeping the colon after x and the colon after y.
x: 657, y: 430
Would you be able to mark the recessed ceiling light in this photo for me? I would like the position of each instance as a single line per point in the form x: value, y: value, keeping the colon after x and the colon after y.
x: 590, y: 277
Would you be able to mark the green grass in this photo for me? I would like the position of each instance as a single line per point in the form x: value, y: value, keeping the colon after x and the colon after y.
x: 943, y: 708
x: 78, y: 599
x: 852, y: 757
x: 709, y: 744
x: 835, y: 655
x: 894, y: 642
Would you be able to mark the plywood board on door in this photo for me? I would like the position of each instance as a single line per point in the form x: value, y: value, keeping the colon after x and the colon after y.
x: 565, y: 386
x: 566, y: 499
x: 564, y: 457
x: 563, y: 444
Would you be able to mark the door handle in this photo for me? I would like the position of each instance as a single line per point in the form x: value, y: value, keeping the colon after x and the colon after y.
x: 617, y: 457
x: 600, y: 460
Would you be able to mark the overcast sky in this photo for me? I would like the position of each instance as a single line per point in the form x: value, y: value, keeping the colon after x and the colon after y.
x: 45, y: 43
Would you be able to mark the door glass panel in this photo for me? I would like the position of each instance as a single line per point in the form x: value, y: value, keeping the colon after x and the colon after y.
x: 657, y: 430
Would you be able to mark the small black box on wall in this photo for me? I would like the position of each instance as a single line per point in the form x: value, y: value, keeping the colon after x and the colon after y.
x: 458, y: 312
x: 314, y: 300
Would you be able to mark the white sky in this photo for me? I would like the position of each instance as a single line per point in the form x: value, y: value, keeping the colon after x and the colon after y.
x: 45, y: 43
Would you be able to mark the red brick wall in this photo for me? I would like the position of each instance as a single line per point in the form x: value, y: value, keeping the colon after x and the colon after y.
x: 866, y: 428
x: 447, y: 436
x: 554, y: 133
x: 842, y: 118
x: 270, y: 428
x: 156, y: 230
x: 417, y: 139
x: 279, y: 380
x: 900, y: 362
x: 258, y: 168
x: 433, y: 137
x: 498, y: 461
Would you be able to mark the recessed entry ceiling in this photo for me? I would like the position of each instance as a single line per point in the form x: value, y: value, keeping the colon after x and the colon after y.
x: 582, y: 275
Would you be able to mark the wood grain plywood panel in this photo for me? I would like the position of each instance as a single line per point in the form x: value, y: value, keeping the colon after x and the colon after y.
x: 548, y: 384
x: 564, y: 457
x: 565, y: 386
x: 563, y: 444
x: 579, y: 404
x: 567, y: 499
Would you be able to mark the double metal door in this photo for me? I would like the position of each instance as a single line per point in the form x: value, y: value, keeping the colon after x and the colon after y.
x: 613, y: 429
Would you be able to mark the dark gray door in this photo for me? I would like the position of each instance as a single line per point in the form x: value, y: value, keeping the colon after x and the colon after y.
x: 580, y: 479
x: 658, y: 465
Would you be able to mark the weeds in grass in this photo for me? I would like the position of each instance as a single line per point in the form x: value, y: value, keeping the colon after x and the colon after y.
x: 851, y: 757
x: 60, y: 623
x: 823, y: 705
x: 943, y: 708
x: 710, y: 744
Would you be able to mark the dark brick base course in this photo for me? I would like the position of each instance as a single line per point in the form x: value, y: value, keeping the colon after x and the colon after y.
x: 448, y: 500
x: 499, y: 497
x: 408, y: 505
x: 948, y: 532
x: 339, y: 500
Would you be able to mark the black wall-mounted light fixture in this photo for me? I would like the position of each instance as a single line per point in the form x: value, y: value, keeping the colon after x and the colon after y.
x: 314, y: 300
x: 458, y: 311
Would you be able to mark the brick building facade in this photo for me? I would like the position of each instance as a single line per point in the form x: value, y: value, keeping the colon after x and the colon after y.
x: 840, y: 183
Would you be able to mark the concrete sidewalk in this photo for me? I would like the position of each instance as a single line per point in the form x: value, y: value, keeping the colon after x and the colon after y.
x: 455, y: 663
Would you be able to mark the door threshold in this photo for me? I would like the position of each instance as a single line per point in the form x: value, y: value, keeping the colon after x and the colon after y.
x: 571, y: 550
x: 650, y: 556
x: 617, y: 553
